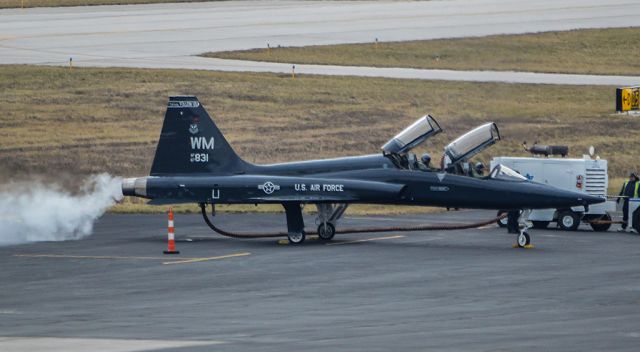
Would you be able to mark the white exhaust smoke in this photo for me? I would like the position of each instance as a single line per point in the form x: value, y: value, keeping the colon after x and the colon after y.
x: 34, y: 211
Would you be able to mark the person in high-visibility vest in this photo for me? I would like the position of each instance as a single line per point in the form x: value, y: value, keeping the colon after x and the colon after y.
x: 629, y: 190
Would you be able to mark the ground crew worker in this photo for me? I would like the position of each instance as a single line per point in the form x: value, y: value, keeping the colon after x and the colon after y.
x: 629, y: 190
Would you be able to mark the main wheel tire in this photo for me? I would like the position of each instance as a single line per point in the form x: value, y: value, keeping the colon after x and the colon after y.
x: 524, y: 239
x: 326, y: 231
x: 602, y: 227
x: 540, y: 224
x: 502, y: 222
x: 296, y: 238
x: 568, y: 220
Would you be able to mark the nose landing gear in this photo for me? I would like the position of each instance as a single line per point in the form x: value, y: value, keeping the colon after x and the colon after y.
x: 524, y: 240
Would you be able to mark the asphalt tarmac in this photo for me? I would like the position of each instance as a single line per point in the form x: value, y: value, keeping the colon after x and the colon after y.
x: 171, y: 35
x: 443, y: 290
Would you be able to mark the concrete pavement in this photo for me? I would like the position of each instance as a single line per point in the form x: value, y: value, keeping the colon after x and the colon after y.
x: 169, y: 35
x: 446, y: 291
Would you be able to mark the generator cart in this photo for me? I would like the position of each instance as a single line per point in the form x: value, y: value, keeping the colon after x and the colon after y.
x: 587, y: 175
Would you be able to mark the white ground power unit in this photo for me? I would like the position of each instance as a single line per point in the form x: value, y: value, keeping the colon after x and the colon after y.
x: 586, y: 175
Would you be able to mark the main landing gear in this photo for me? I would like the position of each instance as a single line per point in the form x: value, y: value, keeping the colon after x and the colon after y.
x: 328, y: 216
x: 295, y: 223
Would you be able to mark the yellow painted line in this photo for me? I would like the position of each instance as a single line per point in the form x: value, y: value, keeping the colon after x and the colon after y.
x: 183, y: 260
x: 366, y: 240
x: 309, y: 238
x: 194, y: 260
x: 529, y: 246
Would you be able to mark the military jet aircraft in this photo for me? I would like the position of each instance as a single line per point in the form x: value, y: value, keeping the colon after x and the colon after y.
x: 194, y: 163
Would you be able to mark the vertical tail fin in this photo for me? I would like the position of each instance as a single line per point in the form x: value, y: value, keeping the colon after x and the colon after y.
x: 191, y: 143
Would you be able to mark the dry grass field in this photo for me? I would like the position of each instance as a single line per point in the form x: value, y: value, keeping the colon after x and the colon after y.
x: 60, y: 124
x: 589, y: 51
x: 6, y: 4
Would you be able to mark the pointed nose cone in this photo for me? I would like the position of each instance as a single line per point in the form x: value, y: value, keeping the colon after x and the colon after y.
x: 532, y: 195
x: 558, y: 198
x: 589, y: 199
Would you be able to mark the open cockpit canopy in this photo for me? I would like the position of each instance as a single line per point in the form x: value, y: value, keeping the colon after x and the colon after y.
x: 471, y: 143
x: 412, y: 136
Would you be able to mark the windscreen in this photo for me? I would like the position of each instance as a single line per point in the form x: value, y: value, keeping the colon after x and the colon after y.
x: 413, y: 135
x: 501, y: 172
x: 472, y: 142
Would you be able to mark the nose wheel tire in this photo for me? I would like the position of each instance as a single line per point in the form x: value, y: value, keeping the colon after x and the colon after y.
x: 326, y: 231
x: 296, y: 237
x: 524, y: 240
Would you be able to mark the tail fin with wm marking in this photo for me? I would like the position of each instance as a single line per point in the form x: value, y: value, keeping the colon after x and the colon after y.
x: 191, y: 143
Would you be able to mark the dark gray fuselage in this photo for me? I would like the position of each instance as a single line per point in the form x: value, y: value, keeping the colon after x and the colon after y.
x: 364, y: 179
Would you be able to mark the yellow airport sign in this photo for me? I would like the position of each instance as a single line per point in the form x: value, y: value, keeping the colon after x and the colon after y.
x: 627, y: 99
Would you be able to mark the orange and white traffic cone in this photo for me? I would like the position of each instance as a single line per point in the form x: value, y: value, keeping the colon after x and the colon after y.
x: 171, y: 245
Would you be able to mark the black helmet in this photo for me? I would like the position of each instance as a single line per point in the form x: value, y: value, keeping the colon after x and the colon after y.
x: 480, y: 166
x: 425, y: 158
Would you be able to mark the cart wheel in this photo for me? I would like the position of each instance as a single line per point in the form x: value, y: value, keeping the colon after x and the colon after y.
x: 602, y: 227
x: 568, y: 220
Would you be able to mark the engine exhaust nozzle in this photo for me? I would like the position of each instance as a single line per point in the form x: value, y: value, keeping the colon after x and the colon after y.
x: 136, y: 187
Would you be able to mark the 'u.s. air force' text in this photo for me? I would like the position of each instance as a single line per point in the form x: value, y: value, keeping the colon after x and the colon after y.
x: 301, y: 187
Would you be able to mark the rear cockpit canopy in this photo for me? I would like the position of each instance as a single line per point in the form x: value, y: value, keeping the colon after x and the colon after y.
x: 412, y: 136
x: 471, y: 143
